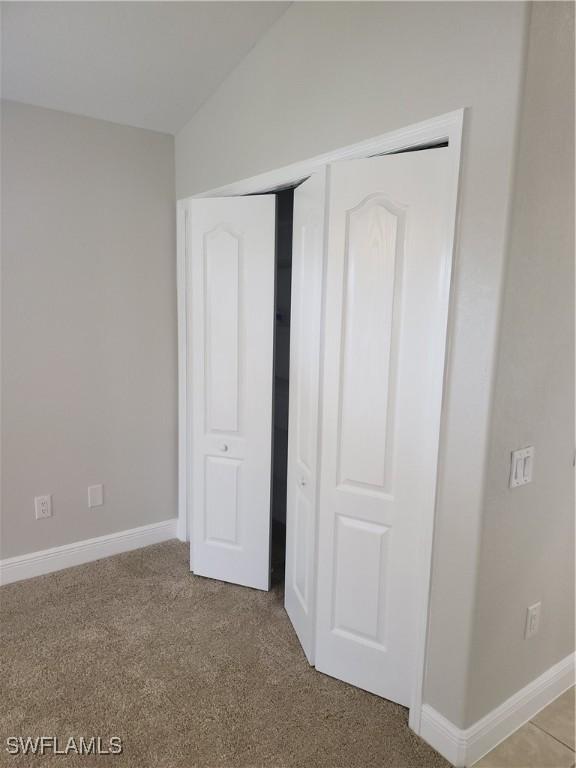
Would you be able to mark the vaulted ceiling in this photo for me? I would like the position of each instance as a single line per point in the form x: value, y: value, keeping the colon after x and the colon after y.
x: 146, y: 64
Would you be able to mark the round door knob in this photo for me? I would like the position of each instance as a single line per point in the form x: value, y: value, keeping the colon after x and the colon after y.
x: 302, y: 483
x: 224, y: 447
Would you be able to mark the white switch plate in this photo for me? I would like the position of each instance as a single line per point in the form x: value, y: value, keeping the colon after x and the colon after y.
x: 95, y: 496
x: 521, y: 465
x: 43, y: 507
x: 532, y: 620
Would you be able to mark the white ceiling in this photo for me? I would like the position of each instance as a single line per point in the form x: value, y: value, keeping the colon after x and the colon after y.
x: 146, y: 64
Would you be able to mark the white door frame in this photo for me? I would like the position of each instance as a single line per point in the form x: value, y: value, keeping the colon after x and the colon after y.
x: 447, y: 127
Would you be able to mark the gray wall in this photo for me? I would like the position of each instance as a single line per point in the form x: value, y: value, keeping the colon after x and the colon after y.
x: 527, y: 548
x: 329, y: 74
x: 88, y: 324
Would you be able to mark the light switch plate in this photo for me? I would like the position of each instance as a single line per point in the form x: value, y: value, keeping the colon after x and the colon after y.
x: 95, y: 496
x: 532, y: 620
x: 521, y: 465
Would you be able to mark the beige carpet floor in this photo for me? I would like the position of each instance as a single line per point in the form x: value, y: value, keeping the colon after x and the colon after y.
x: 187, y: 671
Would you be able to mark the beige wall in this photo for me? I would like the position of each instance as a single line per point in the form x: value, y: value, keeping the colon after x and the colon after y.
x: 329, y: 74
x: 88, y: 324
x: 527, y: 547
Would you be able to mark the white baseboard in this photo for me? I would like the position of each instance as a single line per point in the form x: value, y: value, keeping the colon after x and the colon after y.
x: 443, y: 735
x: 464, y: 747
x: 48, y: 560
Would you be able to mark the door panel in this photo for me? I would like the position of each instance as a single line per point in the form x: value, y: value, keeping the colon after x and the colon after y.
x: 384, y: 323
x: 305, y: 328
x: 231, y: 269
x: 221, y: 324
x: 373, y: 261
x: 221, y: 501
x: 360, y: 568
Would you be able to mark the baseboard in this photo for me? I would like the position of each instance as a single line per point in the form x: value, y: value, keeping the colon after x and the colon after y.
x: 443, y: 735
x: 49, y: 560
x: 464, y: 747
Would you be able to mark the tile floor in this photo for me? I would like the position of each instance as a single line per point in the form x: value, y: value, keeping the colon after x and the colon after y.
x: 547, y: 741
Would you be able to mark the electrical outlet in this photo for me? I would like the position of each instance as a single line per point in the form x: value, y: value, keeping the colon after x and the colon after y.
x: 43, y: 507
x: 532, y: 620
x: 95, y: 496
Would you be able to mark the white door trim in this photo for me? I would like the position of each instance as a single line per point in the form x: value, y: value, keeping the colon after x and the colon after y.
x: 183, y: 530
x: 444, y: 127
x: 447, y: 127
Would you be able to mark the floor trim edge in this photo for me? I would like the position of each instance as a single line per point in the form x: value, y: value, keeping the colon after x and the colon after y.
x: 55, y: 559
x: 463, y: 747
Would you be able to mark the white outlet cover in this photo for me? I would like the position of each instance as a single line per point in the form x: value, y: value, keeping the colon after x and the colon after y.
x: 95, y: 496
x: 43, y: 507
x: 521, y: 465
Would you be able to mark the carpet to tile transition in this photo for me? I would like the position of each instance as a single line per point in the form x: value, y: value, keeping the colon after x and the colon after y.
x: 187, y: 671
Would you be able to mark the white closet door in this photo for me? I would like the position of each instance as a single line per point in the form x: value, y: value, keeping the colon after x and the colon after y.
x: 231, y: 271
x: 385, y: 334
x: 305, y: 328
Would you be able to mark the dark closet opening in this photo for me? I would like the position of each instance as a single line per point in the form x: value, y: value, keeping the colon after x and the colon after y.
x: 283, y: 285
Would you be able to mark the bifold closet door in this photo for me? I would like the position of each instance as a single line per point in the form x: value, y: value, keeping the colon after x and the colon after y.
x: 231, y: 258
x: 305, y: 329
x: 385, y: 325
